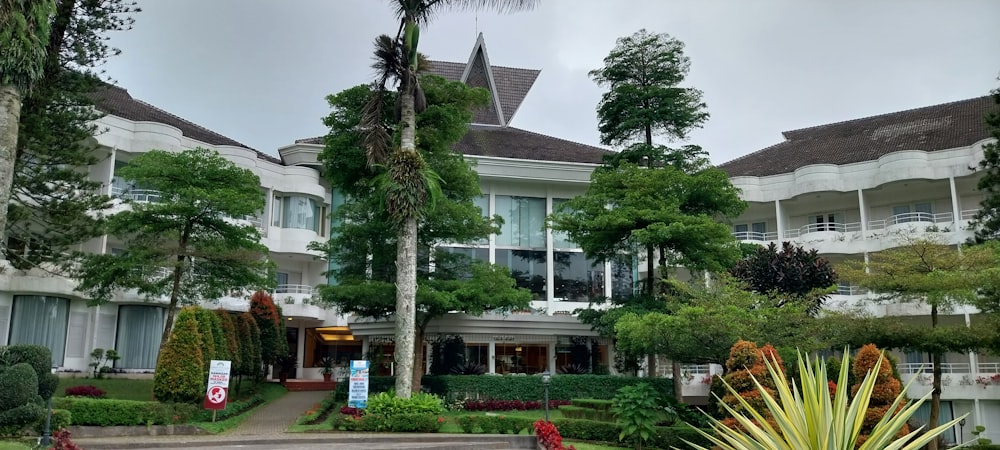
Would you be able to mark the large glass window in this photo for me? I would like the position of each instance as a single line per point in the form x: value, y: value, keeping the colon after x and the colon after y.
x: 524, y: 221
x: 527, y: 267
x: 140, y: 328
x: 577, y: 279
x: 300, y: 212
x: 559, y: 238
x: 623, y: 277
x: 41, y: 320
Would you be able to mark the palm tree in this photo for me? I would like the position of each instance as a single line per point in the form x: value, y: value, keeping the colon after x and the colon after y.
x: 24, y: 35
x: 408, y: 183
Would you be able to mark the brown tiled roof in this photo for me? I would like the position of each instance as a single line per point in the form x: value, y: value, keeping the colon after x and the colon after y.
x: 117, y: 101
x: 508, y: 142
x: 931, y: 128
x: 512, y: 85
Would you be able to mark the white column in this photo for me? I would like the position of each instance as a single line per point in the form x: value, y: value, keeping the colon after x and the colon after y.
x: 864, y: 213
x: 608, y: 280
x: 491, y: 356
x: 551, y: 357
x: 973, y: 357
x: 427, y: 358
x: 493, y: 238
x: 300, y: 352
x: 611, y: 358
x: 550, y: 269
x: 778, y: 214
x: 365, y: 346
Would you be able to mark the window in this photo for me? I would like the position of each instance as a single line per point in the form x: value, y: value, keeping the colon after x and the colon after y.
x: 560, y: 239
x: 753, y: 231
x: 577, y: 279
x: 140, y: 328
x: 527, y: 267
x: 827, y: 222
x: 41, y: 320
x: 524, y: 221
x: 922, y: 211
x: 299, y: 212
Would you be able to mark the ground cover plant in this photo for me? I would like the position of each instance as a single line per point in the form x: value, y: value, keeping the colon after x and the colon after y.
x: 116, y: 388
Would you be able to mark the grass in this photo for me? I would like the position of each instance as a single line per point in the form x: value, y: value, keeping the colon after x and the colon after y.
x: 116, y: 388
x: 584, y: 445
x: 269, y: 391
x: 14, y: 445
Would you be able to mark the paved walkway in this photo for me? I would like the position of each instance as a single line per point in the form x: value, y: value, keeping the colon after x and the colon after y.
x: 277, y: 416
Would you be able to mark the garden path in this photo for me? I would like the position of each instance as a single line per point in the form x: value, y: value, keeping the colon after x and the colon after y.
x: 275, y: 417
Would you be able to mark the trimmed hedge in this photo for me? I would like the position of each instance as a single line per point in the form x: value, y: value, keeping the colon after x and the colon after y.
x: 399, y: 423
x: 524, y: 388
x: 593, y: 403
x: 39, y: 358
x: 579, y: 412
x: 665, y: 437
x: 494, y: 424
x: 61, y: 418
x: 108, y: 412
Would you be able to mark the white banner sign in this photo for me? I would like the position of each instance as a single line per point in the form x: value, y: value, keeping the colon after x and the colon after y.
x: 357, y: 388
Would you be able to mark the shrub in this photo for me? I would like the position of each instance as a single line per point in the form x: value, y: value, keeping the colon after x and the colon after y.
x: 265, y: 314
x: 458, y: 387
x: 108, y: 412
x: 61, y: 418
x: 85, y: 391
x: 548, y: 436
x: 887, y: 388
x: 20, y: 404
x: 400, y: 423
x: 40, y: 359
x: 61, y: 441
x: 179, y: 373
x: 509, y: 405
x: 231, y: 336
x: 494, y: 424
x: 636, y: 411
x: 203, y: 318
x: 387, y: 404
x: 663, y: 437
x: 577, y: 412
x: 593, y: 403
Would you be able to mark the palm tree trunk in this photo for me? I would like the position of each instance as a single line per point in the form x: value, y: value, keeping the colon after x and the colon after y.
x: 10, y: 117
x: 406, y: 265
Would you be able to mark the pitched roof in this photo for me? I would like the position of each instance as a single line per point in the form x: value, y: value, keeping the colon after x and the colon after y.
x: 508, y: 142
x: 117, y: 102
x: 509, y: 85
x: 930, y: 128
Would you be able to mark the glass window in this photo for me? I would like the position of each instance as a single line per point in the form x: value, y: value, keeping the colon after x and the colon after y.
x: 139, y: 331
x: 623, y: 276
x: 300, y: 212
x: 759, y: 227
x: 527, y: 267
x: 524, y: 221
x: 41, y: 320
x: 741, y: 228
x: 559, y: 238
x: 577, y: 279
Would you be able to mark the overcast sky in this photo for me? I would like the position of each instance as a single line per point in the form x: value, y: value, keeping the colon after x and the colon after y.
x: 258, y: 71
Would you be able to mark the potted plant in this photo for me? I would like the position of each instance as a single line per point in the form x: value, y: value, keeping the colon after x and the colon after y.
x: 326, y: 367
x: 286, y: 365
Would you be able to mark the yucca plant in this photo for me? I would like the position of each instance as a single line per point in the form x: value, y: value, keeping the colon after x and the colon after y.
x: 813, y: 419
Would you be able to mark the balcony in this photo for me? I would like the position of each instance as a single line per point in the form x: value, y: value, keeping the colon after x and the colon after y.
x: 297, y: 300
x: 696, y: 380
x: 755, y: 236
x: 893, y: 222
x: 136, y: 195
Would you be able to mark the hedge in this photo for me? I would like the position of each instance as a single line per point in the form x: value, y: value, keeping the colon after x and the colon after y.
x: 39, y: 358
x: 665, y: 437
x: 399, y: 423
x: 513, y: 387
x: 593, y: 403
x: 494, y: 424
x: 108, y: 412
x: 578, y: 412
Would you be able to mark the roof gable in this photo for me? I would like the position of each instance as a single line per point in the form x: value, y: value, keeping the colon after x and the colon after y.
x: 930, y: 128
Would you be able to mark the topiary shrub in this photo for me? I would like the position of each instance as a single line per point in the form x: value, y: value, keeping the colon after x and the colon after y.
x: 39, y: 358
x: 268, y: 319
x: 745, y: 363
x: 230, y: 334
x: 203, y: 318
x: 887, y: 388
x: 20, y: 405
x: 179, y: 376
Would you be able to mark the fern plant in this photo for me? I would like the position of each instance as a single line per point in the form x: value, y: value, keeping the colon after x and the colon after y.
x: 813, y: 419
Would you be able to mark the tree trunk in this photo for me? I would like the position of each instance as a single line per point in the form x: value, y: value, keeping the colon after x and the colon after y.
x: 650, y: 269
x: 675, y: 370
x: 175, y: 289
x: 10, y: 117
x: 932, y: 421
x: 418, y: 358
x: 406, y: 265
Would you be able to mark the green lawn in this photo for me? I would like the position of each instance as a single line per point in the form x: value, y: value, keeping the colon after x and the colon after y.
x: 12, y: 445
x: 116, y: 388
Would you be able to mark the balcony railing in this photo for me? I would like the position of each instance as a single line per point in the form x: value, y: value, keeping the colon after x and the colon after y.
x: 755, y: 236
x: 968, y: 214
x: 136, y: 195
x: 926, y: 368
x: 848, y: 289
x: 825, y: 226
x: 989, y: 367
x: 293, y: 289
x: 911, y: 217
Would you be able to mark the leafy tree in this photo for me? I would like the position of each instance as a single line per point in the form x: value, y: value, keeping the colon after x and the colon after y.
x: 184, y: 246
x: 408, y: 182
x: 24, y: 32
x: 250, y: 360
x: 273, y: 342
x: 365, y: 234
x: 987, y: 220
x: 643, y: 73
x: 887, y: 389
x: 793, y: 272
x: 924, y: 272
x: 180, y: 373
x: 54, y: 206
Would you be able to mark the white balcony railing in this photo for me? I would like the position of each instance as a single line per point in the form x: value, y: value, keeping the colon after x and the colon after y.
x: 293, y: 289
x: 755, y: 236
x: 927, y: 368
x: 989, y: 368
x: 968, y: 214
x: 136, y: 195
x: 826, y: 226
x: 911, y: 217
x: 848, y: 289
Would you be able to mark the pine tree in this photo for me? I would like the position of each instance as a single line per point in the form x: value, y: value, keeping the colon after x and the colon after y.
x: 272, y: 342
x: 179, y: 372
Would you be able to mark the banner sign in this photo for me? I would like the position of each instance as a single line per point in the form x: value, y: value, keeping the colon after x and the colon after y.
x: 357, y: 389
x: 217, y: 392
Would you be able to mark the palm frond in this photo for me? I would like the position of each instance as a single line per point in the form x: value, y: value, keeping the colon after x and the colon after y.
x: 422, y: 11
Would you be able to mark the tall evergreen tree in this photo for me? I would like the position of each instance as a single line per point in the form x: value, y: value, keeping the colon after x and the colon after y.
x: 53, y: 205
x: 24, y: 32
x: 988, y: 217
